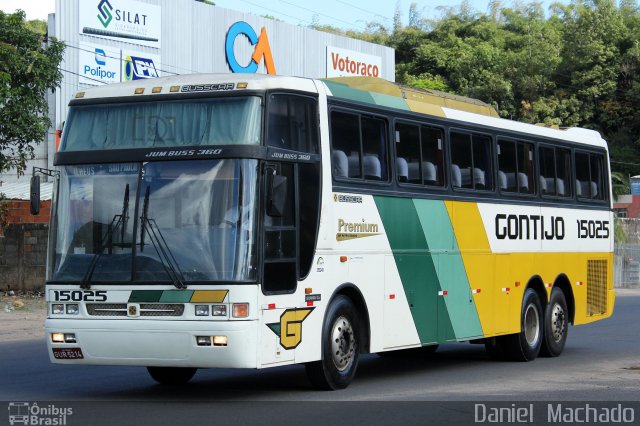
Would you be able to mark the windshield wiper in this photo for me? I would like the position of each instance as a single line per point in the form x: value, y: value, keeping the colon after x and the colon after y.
x: 107, y: 240
x: 165, y: 256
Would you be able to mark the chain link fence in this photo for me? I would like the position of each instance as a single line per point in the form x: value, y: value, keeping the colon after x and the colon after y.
x: 626, y: 261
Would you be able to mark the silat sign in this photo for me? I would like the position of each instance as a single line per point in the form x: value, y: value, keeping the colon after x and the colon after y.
x: 262, y: 49
x: 121, y: 20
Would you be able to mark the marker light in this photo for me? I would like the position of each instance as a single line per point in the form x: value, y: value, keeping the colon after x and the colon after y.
x: 240, y: 310
x: 139, y: 91
x: 156, y: 90
x: 57, y: 309
x: 242, y: 85
x: 219, y: 310
x: 219, y: 340
x: 174, y: 89
x: 203, y: 340
x: 73, y: 309
x: 79, y: 95
x: 202, y: 310
x: 57, y: 337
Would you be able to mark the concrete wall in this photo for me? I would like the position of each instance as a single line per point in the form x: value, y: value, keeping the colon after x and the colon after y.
x: 23, y: 247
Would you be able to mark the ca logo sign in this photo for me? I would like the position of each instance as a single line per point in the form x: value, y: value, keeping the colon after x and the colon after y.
x: 262, y: 49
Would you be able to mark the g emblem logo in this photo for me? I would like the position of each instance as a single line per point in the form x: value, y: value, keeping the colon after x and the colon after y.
x: 289, y: 329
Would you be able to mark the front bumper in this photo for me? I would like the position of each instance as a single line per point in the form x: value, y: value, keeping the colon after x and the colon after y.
x: 157, y: 343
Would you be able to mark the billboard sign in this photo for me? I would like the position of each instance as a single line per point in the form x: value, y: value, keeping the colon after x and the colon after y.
x: 349, y: 63
x: 122, y: 20
x: 262, y: 49
x: 138, y: 66
x: 98, y: 64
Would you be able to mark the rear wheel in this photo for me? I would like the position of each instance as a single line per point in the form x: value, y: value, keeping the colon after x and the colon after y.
x: 340, y: 347
x: 525, y: 346
x: 556, y: 324
x: 171, y: 375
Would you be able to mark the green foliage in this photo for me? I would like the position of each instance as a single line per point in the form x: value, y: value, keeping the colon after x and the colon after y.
x: 577, y: 65
x: 620, y: 184
x: 28, y: 68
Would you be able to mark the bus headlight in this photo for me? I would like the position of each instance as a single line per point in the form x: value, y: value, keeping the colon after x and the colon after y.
x: 219, y: 310
x: 73, y: 309
x: 57, y: 309
x: 202, y: 310
x: 57, y: 337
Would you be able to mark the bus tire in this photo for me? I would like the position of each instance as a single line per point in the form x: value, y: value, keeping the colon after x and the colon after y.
x: 340, y: 347
x: 556, y: 324
x: 525, y: 346
x: 171, y: 375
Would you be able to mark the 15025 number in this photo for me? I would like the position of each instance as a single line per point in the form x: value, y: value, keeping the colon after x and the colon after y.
x: 80, y: 296
x: 593, y: 229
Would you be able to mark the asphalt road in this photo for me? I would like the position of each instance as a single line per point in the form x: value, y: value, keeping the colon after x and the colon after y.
x: 601, y: 362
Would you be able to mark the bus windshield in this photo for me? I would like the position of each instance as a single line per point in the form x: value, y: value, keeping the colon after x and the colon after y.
x: 149, y: 222
x: 219, y: 121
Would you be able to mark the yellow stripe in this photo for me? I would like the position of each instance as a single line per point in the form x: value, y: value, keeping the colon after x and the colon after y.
x: 209, y: 296
x: 499, y: 311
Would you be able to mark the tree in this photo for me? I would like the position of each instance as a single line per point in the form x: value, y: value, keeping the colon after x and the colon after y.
x: 28, y: 68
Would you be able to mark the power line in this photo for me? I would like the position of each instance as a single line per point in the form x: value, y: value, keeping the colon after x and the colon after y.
x: 275, y: 11
x: 362, y: 9
x: 321, y: 14
x: 79, y: 75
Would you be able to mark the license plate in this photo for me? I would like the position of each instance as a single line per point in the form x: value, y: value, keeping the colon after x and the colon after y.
x: 67, y: 353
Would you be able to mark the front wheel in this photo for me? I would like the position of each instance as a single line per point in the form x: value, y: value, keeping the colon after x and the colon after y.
x: 171, y: 375
x: 525, y: 346
x: 556, y: 324
x: 340, y: 347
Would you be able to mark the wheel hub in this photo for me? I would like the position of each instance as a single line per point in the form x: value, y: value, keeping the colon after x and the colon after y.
x: 532, y: 325
x: 343, y: 343
x: 558, y: 322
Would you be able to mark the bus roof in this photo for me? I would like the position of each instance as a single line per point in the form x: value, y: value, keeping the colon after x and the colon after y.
x: 370, y: 90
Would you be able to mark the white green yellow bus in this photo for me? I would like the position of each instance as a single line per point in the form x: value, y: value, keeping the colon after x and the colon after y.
x: 252, y: 221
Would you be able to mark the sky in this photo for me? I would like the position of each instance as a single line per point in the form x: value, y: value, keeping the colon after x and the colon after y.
x: 345, y: 14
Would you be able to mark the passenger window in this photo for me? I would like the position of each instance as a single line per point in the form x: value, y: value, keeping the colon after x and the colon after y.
x: 432, y: 156
x: 359, y: 147
x: 345, y: 140
x: 293, y: 123
x: 374, y: 146
x: 515, y: 167
x: 420, y: 156
x: 471, y: 161
x: 590, y: 176
x: 555, y: 172
x: 408, y: 162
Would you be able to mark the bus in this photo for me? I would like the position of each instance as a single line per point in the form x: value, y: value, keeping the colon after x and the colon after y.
x: 254, y: 221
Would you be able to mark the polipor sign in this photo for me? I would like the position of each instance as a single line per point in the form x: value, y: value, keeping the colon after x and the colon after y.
x: 347, y: 63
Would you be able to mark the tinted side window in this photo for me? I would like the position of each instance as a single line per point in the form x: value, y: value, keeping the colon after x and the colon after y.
x: 471, y: 161
x: 374, y: 146
x: 420, y: 157
x: 590, y: 176
x: 293, y: 123
x: 432, y: 156
x: 555, y: 172
x: 515, y: 167
x: 359, y: 147
x: 345, y: 140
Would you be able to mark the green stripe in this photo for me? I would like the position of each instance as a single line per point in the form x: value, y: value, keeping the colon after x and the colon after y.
x: 389, y: 101
x: 145, y: 296
x: 343, y: 91
x: 176, y: 296
x: 438, y: 231
x: 416, y: 267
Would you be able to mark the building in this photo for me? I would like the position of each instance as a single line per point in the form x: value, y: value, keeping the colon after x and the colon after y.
x: 111, y: 41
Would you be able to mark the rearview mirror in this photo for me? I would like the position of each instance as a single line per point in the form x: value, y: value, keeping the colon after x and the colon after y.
x: 34, y: 191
